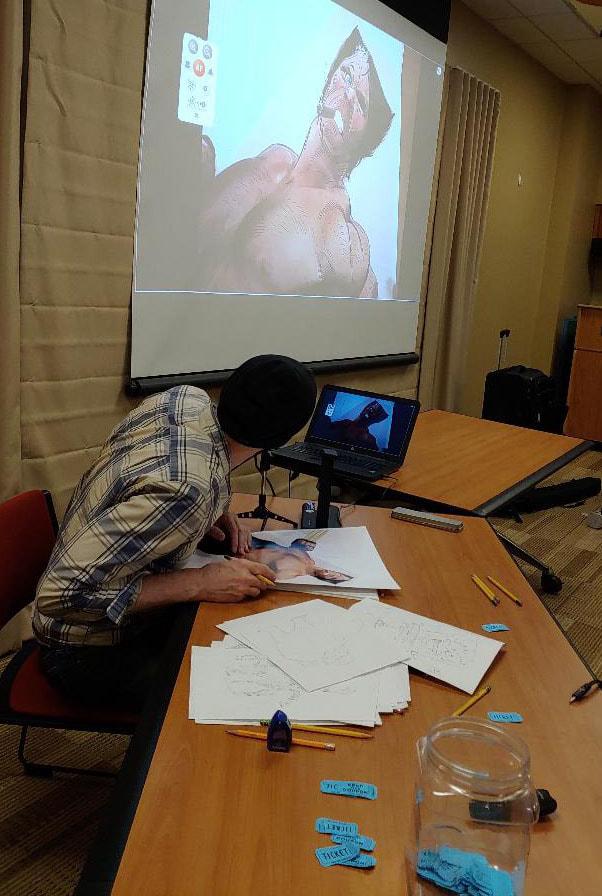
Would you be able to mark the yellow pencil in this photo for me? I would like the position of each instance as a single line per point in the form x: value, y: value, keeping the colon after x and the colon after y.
x: 297, y: 741
x: 505, y: 590
x: 486, y: 590
x: 321, y: 729
x: 472, y: 701
x: 261, y: 578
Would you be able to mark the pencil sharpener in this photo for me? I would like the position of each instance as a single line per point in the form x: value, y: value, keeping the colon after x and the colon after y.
x: 280, y: 733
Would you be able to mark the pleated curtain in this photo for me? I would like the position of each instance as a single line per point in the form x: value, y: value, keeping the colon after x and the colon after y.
x: 471, y: 110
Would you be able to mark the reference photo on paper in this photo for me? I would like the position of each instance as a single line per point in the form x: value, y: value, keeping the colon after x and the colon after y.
x: 318, y: 561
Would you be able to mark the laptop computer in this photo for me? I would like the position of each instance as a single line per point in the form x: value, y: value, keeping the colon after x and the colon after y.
x: 370, y: 433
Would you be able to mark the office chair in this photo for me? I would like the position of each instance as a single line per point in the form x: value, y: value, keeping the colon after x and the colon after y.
x: 28, y: 528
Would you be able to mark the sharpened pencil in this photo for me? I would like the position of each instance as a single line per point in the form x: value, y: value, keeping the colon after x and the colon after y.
x: 504, y: 590
x: 321, y: 729
x: 471, y: 702
x: 486, y: 590
x: 297, y: 741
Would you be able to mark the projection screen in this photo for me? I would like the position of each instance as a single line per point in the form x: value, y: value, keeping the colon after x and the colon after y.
x: 284, y: 179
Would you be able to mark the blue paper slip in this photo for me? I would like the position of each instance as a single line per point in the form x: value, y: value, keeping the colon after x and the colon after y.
x: 463, y: 872
x: 495, y: 627
x: 337, y: 855
x: 350, y: 788
x: 363, y: 842
x: 332, y: 826
x: 361, y: 861
x: 504, y: 716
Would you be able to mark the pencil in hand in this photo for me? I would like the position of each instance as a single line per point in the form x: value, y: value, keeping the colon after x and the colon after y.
x: 261, y: 578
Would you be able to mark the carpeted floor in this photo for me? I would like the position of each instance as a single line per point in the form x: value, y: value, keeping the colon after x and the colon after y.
x: 574, y: 552
x: 47, y: 826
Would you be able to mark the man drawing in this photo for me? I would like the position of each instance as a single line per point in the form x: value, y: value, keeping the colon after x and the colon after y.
x: 281, y: 222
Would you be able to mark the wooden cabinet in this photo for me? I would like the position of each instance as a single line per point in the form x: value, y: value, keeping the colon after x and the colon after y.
x: 584, y: 418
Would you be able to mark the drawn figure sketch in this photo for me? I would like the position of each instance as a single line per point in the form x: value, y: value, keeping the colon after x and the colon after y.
x: 254, y: 676
x: 311, y: 649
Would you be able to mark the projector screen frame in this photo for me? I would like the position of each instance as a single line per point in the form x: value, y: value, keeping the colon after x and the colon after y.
x: 137, y: 387
x: 432, y: 16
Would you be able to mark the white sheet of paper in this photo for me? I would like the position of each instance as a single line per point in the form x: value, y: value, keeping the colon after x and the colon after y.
x: 349, y: 550
x: 241, y: 684
x: 317, y: 643
x: 394, y: 690
x: 451, y: 654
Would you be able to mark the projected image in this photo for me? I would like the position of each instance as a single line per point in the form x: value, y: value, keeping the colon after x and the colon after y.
x: 300, y: 168
x: 361, y: 421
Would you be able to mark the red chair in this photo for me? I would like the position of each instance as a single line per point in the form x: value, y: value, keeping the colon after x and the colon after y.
x: 28, y: 528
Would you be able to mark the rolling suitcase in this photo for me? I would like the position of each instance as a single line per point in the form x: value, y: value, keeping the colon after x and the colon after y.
x: 519, y: 395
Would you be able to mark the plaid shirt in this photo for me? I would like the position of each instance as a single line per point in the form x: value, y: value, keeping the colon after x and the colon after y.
x: 161, y: 481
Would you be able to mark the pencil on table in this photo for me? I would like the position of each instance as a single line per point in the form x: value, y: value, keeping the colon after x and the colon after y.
x: 486, y: 590
x: 504, y: 590
x: 321, y: 729
x: 471, y: 702
x: 297, y: 741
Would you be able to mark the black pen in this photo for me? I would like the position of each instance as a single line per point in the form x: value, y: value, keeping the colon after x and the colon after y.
x: 585, y: 689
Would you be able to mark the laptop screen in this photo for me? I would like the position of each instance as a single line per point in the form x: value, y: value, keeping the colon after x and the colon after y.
x: 363, y: 421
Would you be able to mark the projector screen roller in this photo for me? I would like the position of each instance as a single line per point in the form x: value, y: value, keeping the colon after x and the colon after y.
x: 285, y: 171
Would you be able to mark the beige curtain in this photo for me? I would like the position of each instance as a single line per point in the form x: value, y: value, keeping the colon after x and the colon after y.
x: 471, y: 113
x: 11, y: 55
x: 86, y: 66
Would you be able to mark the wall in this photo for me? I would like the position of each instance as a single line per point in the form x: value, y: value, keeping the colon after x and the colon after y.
x: 516, y: 234
x: 568, y: 275
x: 596, y: 268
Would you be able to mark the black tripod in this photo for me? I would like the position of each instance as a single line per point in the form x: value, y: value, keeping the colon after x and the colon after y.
x: 261, y: 512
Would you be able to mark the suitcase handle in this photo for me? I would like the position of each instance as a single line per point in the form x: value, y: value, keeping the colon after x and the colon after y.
x: 504, y: 334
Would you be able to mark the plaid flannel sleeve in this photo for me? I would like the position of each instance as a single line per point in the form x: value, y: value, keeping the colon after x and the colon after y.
x: 99, y: 571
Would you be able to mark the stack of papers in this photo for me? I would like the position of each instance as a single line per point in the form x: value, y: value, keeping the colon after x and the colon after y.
x: 322, y: 663
x: 312, y: 660
x: 327, y: 562
x: 232, y: 684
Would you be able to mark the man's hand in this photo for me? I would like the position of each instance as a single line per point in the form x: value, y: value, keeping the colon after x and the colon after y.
x: 229, y: 529
x: 225, y: 582
x: 232, y: 580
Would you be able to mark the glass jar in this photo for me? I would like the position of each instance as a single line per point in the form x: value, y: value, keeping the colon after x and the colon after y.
x: 474, y: 807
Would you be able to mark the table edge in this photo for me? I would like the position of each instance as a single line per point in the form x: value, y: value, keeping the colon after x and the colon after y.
x: 523, y: 485
x: 105, y: 855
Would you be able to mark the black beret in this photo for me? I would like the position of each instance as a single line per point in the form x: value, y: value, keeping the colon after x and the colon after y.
x: 266, y: 401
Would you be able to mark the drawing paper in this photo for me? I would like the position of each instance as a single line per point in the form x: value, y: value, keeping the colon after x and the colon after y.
x: 317, y: 643
x: 349, y: 551
x: 242, y: 685
x: 394, y: 688
x: 451, y: 654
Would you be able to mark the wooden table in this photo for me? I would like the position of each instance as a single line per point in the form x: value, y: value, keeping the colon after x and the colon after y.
x: 465, y: 463
x: 219, y: 816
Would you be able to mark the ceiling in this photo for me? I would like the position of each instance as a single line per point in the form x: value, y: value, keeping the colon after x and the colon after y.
x: 564, y: 35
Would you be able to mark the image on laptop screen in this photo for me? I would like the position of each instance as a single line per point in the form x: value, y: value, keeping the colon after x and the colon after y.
x: 354, y: 420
